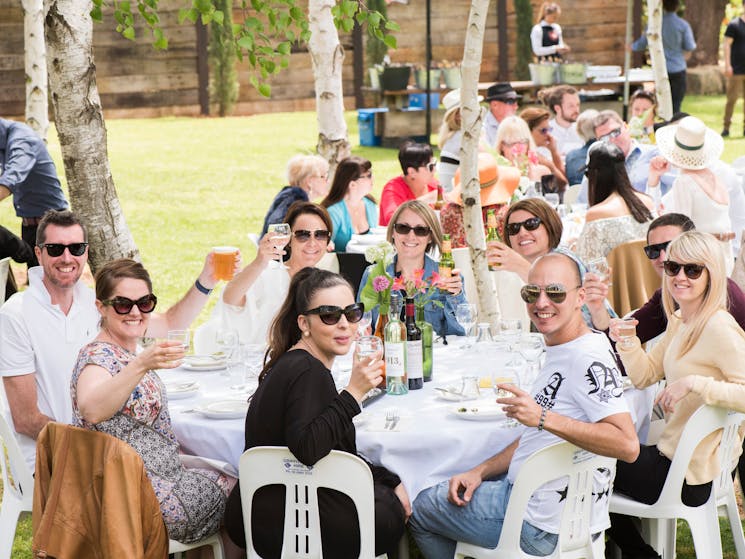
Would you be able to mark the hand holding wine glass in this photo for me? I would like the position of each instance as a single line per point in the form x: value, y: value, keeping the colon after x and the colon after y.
x: 368, y: 366
x: 280, y: 236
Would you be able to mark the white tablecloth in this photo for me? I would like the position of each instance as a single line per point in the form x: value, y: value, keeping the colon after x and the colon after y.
x: 360, y: 243
x: 430, y: 445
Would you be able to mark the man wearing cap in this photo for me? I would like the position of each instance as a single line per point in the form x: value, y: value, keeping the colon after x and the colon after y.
x: 502, y: 100
x: 29, y: 174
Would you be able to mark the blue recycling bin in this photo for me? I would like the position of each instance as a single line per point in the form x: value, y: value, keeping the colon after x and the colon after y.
x: 366, y: 123
x: 419, y: 100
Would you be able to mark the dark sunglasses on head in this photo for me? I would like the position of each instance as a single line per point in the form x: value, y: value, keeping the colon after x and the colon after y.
x: 123, y: 305
x: 610, y: 135
x: 56, y: 249
x: 331, y: 314
x: 405, y: 229
x: 554, y: 291
x: 530, y: 225
x: 653, y: 251
x: 431, y: 165
x: 692, y: 271
x: 303, y: 235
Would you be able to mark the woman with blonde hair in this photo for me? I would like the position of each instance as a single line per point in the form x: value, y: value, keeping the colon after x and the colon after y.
x: 546, y: 37
x: 515, y: 146
x: 700, y: 356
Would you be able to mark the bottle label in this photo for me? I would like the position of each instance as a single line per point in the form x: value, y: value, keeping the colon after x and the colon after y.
x: 447, y: 247
x: 445, y: 272
x: 394, y: 359
x: 414, y: 359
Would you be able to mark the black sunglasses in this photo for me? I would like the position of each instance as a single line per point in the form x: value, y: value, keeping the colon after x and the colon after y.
x: 303, y: 235
x: 554, y: 291
x: 405, y: 229
x: 331, y: 314
x: 508, y: 101
x: 123, y: 305
x: 692, y: 271
x: 653, y: 251
x: 56, y: 249
x: 530, y: 225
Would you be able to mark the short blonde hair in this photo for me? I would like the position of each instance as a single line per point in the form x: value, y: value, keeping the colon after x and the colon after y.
x: 586, y: 124
x: 512, y: 129
x: 695, y: 247
x: 300, y: 168
x: 429, y: 217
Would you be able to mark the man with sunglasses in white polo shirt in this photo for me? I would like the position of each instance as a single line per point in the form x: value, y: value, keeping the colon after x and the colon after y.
x: 577, y: 397
x: 43, y: 328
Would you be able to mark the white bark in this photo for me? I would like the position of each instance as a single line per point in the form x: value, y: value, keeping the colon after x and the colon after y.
x: 657, y: 58
x: 81, y: 130
x: 471, y: 117
x: 327, y: 56
x: 35, y: 62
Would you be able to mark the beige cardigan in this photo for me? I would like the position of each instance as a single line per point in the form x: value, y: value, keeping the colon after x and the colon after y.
x: 717, y: 362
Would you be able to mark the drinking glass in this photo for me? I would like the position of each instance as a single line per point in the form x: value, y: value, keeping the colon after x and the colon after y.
x: 224, y: 262
x: 368, y: 346
x: 465, y: 314
x: 531, y: 348
x: 510, y: 329
x: 144, y: 342
x: 600, y: 267
x: 183, y: 336
x: 469, y: 389
x: 247, y: 358
x: 227, y: 340
x: 626, y: 330
x: 281, y: 233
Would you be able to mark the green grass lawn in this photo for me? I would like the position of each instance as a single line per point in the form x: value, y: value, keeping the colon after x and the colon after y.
x: 187, y: 184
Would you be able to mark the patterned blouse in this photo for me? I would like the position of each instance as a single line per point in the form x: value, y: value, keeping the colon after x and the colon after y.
x: 601, y: 236
x: 192, y: 500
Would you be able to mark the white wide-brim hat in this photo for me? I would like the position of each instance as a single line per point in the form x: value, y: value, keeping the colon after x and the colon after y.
x: 689, y: 144
x: 451, y: 101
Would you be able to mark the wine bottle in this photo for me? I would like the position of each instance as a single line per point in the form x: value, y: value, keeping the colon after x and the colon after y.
x: 492, y: 234
x: 427, y: 338
x: 395, y: 350
x: 414, y: 349
x: 446, y: 259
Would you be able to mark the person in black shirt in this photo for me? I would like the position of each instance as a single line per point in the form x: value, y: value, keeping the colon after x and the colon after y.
x: 734, y: 66
x: 297, y: 405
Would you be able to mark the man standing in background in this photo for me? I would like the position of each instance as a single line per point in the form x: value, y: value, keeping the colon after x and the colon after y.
x: 734, y: 67
x: 678, y: 44
x: 28, y: 173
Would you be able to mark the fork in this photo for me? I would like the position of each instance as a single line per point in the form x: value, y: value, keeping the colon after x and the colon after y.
x: 388, y: 419
x: 391, y: 418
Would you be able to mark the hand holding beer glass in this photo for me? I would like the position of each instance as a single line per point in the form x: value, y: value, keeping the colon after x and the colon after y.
x: 224, y: 260
x: 281, y: 233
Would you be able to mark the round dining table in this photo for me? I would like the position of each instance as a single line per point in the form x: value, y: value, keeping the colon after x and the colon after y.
x: 433, y: 438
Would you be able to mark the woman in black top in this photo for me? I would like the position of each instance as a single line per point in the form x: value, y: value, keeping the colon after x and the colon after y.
x: 298, y: 406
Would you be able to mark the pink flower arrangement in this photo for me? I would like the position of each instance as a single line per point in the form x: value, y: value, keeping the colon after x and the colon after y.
x: 418, y: 288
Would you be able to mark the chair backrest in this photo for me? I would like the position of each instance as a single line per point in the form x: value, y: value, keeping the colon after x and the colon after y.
x: 4, y: 271
x: 633, y: 277
x: 205, y: 336
x: 701, y: 424
x: 18, y: 480
x: 558, y: 460
x: 270, y: 465
x: 571, y: 194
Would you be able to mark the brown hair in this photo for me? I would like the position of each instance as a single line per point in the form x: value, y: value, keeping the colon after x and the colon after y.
x: 348, y: 170
x: 543, y: 211
x: 429, y: 217
x: 60, y: 218
x: 284, y: 331
x: 111, y: 273
x: 553, y: 96
x: 534, y: 116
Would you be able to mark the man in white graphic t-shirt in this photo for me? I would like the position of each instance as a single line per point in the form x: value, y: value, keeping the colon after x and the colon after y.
x: 577, y: 397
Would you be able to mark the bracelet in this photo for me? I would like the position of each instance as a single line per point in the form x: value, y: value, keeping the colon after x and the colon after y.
x: 544, y: 411
x: 201, y: 288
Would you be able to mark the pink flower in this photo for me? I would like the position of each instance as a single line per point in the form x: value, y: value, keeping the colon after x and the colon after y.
x: 519, y: 149
x: 380, y: 283
x: 532, y: 157
x: 419, y: 274
x: 435, y: 279
x: 399, y: 284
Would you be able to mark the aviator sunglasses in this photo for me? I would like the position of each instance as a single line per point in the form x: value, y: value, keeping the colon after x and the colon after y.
x: 331, y: 314
x: 692, y: 271
x: 530, y: 225
x: 556, y: 292
x: 653, y: 251
x: 610, y: 135
x: 123, y: 305
x: 405, y: 229
x: 303, y: 235
x: 56, y: 249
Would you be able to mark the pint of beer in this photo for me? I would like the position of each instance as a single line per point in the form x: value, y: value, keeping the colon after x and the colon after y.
x: 224, y: 259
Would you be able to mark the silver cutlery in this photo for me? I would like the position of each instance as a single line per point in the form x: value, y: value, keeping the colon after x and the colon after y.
x: 391, y: 419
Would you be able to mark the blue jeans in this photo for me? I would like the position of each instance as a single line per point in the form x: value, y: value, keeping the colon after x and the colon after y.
x: 437, y: 525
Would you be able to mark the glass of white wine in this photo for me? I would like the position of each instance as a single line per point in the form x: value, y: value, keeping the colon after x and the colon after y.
x: 227, y: 340
x: 281, y: 233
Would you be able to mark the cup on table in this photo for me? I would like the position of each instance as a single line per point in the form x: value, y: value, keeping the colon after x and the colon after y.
x: 224, y: 259
x: 510, y: 329
x: 183, y: 336
x: 626, y: 330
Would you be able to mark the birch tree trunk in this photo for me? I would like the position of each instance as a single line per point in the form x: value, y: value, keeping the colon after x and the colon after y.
x: 472, y: 115
x: 327, y: 56
x: 35, y: 62
x: 81, y: 130
x: 657, y: 58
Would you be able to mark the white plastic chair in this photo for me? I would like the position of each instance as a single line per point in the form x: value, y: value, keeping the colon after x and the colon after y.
x: 4, y: 271
x: 270, y: 465
x: 571, y: 194
x: 575, y: 540
x: 177, y: 548
x: 703, y: 521
x: 18, y: 487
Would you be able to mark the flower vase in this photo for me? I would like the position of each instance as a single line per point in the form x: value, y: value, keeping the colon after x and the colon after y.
x: 427, y: 337
x: 380, y: 333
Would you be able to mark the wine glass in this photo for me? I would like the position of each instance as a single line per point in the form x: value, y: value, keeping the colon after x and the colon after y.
x: 531, y: 348
x: 281, y: 233
x: 227, y: 340
x: 368, y: 346
x: 465, y: 314
x: 510, y: 329
x: 552, y: 199
x: 364, y: 322
x: 183, y: 336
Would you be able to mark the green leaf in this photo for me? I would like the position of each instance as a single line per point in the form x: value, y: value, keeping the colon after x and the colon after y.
x: 161, y: 44
x: 390, y: 41
x: 206, y: 18
x: 124, y: 6
x: 284, y: 48
x: 246, y: 42
x: 297, y: 14
x: 347, y: 25
x: 361, y: 17
x: 129, y: 33
x: 254, y: 81
x: 392, y: 26
x: 265, y: 89
x: 270, y: 66
x: 218, y: 17
x: 373, y: 19
x: 97, y: 14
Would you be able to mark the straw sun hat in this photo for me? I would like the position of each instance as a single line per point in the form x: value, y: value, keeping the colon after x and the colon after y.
x: 689, y: 144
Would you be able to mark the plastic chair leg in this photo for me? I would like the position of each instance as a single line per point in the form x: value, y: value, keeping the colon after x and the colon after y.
x: 10, y: 512
x: 735, y: 524
x: 704, y: 525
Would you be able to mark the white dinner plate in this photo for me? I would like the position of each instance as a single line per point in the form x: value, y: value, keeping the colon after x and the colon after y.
x: 367, y: 239
x: 224, y: 409
x: 203, y: 363
x: 488, y: 412
x: 179, y: 390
